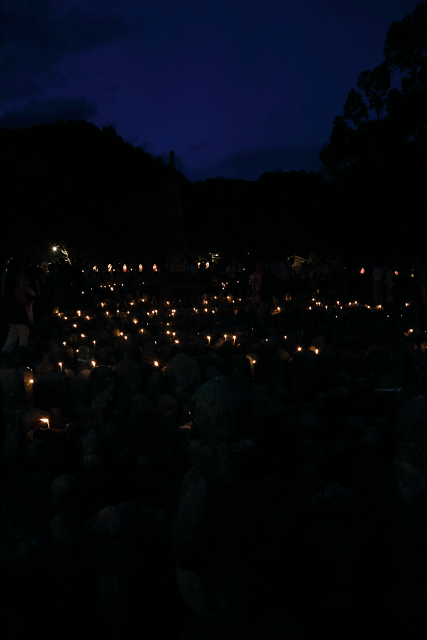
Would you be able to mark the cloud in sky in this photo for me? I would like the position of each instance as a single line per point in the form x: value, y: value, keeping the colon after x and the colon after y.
x: 48, y: 112
x: 36, y: 36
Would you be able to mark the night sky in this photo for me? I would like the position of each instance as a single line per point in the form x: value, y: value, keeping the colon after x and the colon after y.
x: 234, y: 87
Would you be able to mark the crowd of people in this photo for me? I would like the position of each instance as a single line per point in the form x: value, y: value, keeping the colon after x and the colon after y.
x: 31, y: 287
x: 278, y: 454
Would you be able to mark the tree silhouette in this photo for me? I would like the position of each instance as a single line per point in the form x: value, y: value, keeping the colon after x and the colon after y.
x: 376, y: 150
x: 401, y: 114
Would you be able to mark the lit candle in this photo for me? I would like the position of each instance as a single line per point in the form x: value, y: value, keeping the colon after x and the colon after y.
x: 234, y: 339
x: 45, y: 420
x: 209, y: 339
x: 60, y: 365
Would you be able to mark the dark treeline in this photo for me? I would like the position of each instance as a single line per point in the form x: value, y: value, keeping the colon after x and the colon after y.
x: 75, y: 184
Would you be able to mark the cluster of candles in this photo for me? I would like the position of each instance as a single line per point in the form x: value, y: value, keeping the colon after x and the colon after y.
x: 170, y: 313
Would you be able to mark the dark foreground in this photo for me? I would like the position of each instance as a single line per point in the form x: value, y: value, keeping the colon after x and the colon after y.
x: 222, y: 488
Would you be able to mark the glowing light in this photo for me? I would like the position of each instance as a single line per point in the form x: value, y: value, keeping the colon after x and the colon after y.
x: 317, y: 350
x: 124, y: 268
x: 60, y: 365
x: 47, y: 422
x: 154, y: 267
x: 156, y: 364
x: 362, y: 270
x: 93, y: 363
x: 299, y: 348
x: 140, y: 267
x: 209, y: 339
x: 234, y: 339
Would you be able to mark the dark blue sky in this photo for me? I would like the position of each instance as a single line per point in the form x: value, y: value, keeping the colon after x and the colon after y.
x: 233, y: 87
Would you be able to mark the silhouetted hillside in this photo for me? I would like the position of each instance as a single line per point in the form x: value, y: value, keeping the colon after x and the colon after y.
x: 75, y: 184
x: 82, y: 185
